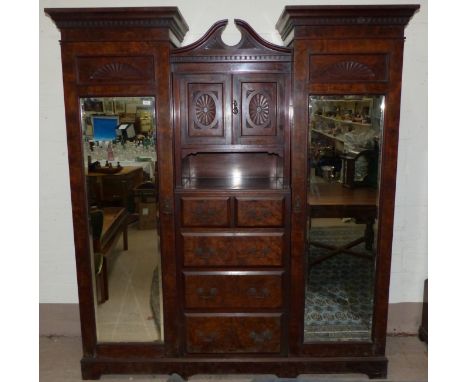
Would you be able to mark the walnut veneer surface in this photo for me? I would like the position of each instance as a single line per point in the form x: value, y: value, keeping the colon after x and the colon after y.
x: 233, y: 245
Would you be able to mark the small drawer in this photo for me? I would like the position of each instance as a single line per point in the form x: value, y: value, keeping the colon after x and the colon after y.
x: 235, y: 290
x: 232, y: 249
x: 205, y: 212
x: 260, y: 212
x: 240, y: 333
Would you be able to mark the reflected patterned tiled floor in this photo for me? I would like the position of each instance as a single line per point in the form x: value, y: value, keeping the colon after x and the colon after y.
x: 60, y: 362
x: 340, y: 289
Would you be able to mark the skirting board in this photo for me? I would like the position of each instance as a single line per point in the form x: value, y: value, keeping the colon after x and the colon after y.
x: 63, y: 319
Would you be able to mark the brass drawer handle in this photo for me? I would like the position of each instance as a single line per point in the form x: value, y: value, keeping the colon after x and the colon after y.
x: 208, y: 338
x: 264, y: 252
x: 204, y: 213
x: 209, y: 294
x: 255, y: 293
x: 204, y: 252
x: 259, y: 215
x: 262, y: 337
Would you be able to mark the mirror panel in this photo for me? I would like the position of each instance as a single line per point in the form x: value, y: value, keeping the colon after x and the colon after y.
x: 345, y: 136
x: 119, y: 138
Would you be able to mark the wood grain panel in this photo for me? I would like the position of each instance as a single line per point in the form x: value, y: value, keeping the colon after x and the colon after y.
x: 232, y: 249
x: 205, y: 212
x: 260, y: 212
x: 233, y: 333
x: 233, y: 290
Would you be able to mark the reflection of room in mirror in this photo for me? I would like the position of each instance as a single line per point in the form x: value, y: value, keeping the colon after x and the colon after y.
x: 122, y: 183
x: 132, y: 311
x: 344, y: 157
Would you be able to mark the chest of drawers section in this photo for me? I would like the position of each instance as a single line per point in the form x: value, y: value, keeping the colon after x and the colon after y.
x: 232, y: 253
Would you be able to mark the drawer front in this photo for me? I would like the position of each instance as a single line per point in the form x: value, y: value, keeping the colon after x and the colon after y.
x: 205, y: 212
x: 232, y: 249
x: 260, y: 212
x: 233, y: 334
x: 234, y: 290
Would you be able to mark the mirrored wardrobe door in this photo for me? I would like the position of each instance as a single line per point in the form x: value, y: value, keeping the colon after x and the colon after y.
x: 120, y: 161
x: 344, y: 141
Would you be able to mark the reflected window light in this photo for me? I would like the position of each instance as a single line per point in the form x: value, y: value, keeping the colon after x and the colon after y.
x: 236, y: 177
x: 382, y: 105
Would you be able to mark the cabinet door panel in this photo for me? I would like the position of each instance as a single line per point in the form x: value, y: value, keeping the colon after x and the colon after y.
x: 205, y: 212
x: 233, y: 333
x: 235, y: 291
x: 201, y: 108
x: 261, y: 117
x: 260, y: 212
x: 233, y: 249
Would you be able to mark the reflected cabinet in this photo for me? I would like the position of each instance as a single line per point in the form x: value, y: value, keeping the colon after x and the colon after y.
x: 233, y: 205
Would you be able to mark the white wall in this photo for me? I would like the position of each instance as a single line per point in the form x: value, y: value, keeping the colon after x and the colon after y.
x: 57, y: 264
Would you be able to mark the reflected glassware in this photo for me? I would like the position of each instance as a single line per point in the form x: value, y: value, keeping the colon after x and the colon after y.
x: 328, y: 173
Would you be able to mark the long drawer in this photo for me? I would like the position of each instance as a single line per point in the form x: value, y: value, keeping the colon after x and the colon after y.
x: 233, y: 333
x: 233, y: 290
x: 232, y: 249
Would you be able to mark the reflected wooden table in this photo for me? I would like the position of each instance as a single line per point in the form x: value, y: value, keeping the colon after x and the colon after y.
x: 332, y: 200
x: 109, y: 189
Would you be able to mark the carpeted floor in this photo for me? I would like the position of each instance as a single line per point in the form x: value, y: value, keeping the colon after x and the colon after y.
x: 339, y: 295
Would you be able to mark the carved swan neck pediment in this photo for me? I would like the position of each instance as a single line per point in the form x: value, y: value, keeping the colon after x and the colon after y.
x: 211, y: 47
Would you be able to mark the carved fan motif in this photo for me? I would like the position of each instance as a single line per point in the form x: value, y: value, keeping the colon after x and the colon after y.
x: 116, y: 70
x: 259, y: 110
x: 205, y: 111
x: 347, y: 70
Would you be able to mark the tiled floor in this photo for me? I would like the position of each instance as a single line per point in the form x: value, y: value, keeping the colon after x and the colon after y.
x: 60, y: 362
x: 127, y: 314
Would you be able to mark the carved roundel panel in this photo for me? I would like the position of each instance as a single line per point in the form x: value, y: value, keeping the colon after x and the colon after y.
x: 205, y: 111
x: 259, y: 109
x: 259, y: 115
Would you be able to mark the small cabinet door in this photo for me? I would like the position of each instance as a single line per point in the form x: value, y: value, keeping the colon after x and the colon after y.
x: 201, y: 101
x: 259, y: 106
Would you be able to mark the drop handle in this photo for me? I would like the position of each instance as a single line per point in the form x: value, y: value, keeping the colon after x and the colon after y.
x: 207, y: 294
x: 258, y: 293
x: 208, y: 338
x: 235, y: 110
x: 264, y: 252
x: 261, y: 337
x: 204, y: 252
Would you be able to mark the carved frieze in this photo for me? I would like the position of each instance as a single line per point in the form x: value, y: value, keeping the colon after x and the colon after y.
x: 114, y: 69
x: 337, y: 67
